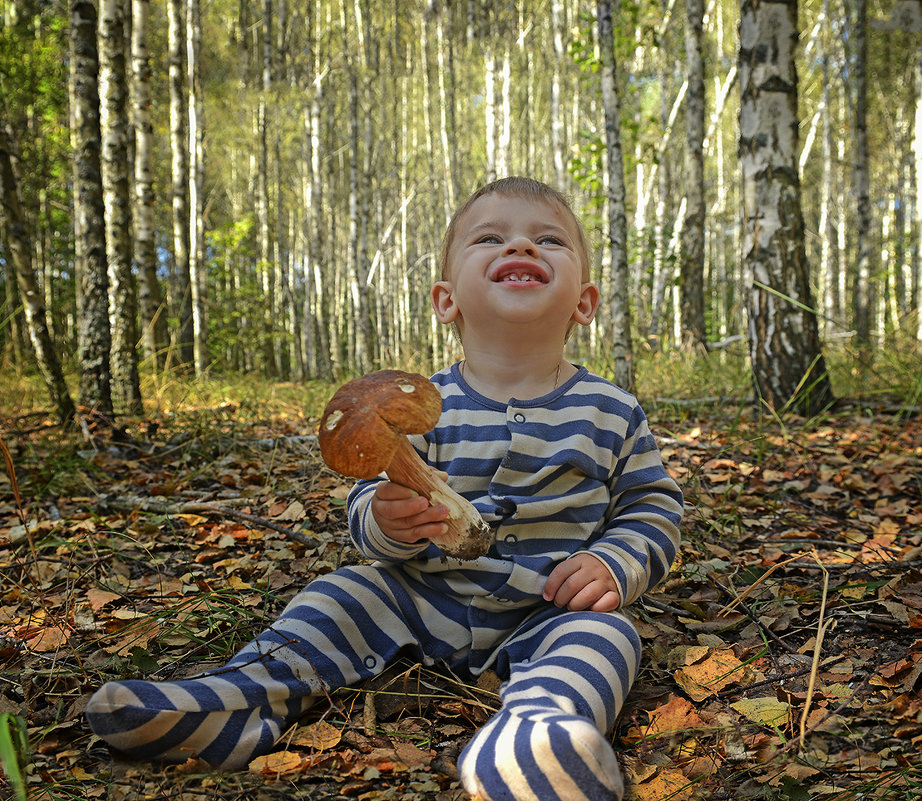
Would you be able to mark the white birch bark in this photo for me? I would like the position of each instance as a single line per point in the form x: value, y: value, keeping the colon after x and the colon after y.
x: 93, y: 334
x: 916, y: 268
x: 864, y: 297
x: 489, y: 110
x: 558, y: 155
x: 616, y: 233
x: 198, y: 279
x: 182, y: 295
x: 151, y: 302
x: 692, y: 252
x: 113, y: 114
x: 788, y: 366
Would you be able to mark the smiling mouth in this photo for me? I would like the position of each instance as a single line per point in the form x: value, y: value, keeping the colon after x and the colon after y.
x: 519, y: 275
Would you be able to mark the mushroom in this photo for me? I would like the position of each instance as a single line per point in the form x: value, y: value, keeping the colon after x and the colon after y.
x: 363, y: 434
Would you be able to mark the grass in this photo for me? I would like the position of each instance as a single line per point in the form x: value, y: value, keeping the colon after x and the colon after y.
x: 891, y: 375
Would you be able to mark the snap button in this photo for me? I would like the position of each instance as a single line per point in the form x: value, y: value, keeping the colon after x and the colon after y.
x: 370, y: 662
x: 519, y: 417
x: 510, y: 539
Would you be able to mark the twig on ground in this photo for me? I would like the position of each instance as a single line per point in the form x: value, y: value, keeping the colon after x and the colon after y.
x: 748, y: 591
x: 821, y: 626
x: 160, y: 506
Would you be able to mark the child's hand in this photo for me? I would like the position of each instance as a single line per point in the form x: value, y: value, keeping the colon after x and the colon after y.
x: 406, y: 516
x: 582, y: 583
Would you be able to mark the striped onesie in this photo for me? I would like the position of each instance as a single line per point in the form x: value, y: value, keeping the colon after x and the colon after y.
x: 574, y: 470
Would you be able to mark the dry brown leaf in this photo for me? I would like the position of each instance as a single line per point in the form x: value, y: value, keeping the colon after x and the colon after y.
x: 719, y: 669
x: 99, y: 598
x: 319, y: 736
x: 666, y: 783
x: 277, y: 764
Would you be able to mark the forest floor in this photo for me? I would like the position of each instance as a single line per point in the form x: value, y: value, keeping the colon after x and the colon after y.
x: 783, y: 654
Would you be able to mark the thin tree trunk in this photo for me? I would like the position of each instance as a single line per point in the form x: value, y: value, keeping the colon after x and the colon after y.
x: 20, y: 252
x: 916, y: 269
x: 266, y: 269
x: 622, y: 351
x: 661, y: 274
x: 504, y: 142
x: 489, y: 110
x: 179, y: 145
x: 123, y: 304
x: 154, y: 334
x: 446, y: 113
x: 864, y: 297
x: 826, y: 228
x: 558, y: 156
x: 93, y: 334
x: 198, y: 281
x: 788, y: 366
x: 692, y: 260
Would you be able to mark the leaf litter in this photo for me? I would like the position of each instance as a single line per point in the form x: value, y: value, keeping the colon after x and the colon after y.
x: 783, y: 654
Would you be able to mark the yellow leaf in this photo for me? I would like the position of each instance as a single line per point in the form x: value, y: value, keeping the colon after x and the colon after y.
x: 276, y: 764
x: 667, y: 783
x: 707, y: 677
x: 674, y: 716
x: 318, y: 736
x: 766, y: 711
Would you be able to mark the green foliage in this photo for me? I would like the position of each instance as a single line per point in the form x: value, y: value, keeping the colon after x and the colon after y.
x: 14, y: 752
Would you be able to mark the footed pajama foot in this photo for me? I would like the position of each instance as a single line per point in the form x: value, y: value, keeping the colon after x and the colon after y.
x: 226, y: 717
x: 540, y: 754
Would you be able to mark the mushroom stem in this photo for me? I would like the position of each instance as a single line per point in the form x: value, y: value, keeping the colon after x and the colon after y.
x: 468, y: 536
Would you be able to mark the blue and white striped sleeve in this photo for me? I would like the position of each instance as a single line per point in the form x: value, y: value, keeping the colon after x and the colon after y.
x: 641, y: 531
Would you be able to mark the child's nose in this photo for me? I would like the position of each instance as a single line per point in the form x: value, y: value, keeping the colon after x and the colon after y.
x: 521, y: 244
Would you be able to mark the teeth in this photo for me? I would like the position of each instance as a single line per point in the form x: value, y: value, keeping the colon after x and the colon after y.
x: 512, y: 277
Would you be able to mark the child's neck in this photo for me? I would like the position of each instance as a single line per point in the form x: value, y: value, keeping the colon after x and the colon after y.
x: 502, y: 375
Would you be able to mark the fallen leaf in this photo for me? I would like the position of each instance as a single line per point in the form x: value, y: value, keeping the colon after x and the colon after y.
x: 277, y: 764
x: 702, y: 679
x: 318, y: 736
x: 99, y: 598
x: 766, y: 711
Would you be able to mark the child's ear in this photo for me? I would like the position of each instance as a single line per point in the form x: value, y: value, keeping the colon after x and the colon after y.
x: 446, y: 310
x: 588, y: 304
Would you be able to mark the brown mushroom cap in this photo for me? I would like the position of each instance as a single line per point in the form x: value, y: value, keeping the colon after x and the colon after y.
x: 364, y: 420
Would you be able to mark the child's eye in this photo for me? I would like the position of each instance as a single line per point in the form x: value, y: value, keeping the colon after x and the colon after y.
x: 549, y: 240
x: 489, y: 239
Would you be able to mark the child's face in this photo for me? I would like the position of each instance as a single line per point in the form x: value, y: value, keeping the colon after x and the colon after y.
x: 515, y: 260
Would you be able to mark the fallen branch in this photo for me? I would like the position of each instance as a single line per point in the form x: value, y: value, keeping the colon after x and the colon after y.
x: 160, y: 506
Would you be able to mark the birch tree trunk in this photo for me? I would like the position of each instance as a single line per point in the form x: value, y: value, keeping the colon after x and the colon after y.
x: 863, y: 294
x: 154, y: 334
x: 93, y: 334
x: 198, y: 283
x: 917, y: 179
x: 123, y: 304
x: 20, y: 251
x: 266, y: 268
x: 826, y: 227
x: 446, y: 113
x: 692, y: 261
x: 179, y: 145
x: 489, y: 110
x: 622, y: 351
x: 558, y: 154
x: 788, y: 366
x: 661, y: 276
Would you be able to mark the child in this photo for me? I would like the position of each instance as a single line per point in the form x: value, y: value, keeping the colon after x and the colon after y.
x: 563, y: 467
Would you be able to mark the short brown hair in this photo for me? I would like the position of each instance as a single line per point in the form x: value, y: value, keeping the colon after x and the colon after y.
x: 517, y: 186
